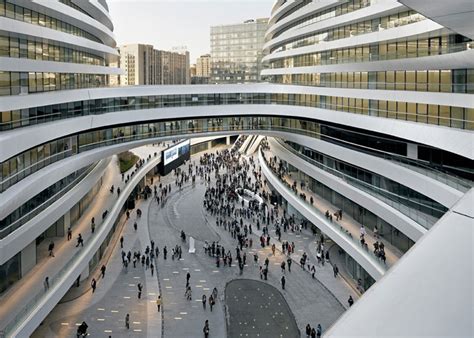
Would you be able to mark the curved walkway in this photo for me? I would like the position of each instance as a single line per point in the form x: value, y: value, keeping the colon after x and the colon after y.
x: 182, y: 210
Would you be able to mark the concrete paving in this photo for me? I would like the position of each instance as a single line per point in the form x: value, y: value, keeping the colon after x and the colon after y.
x: 257, y: 309
x: 308, y: 299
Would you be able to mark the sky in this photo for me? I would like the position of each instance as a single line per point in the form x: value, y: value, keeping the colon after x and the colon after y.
x: 169, y: 23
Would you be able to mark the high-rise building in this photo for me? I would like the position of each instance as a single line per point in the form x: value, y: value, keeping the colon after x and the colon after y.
x: 236, y: 51
x: 203, y: 65
x: 192, y: 70
x: 144, y: 65
x: 185, y: 63
x: 138, y: 63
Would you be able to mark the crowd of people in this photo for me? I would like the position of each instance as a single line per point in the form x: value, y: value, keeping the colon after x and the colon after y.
x: 226, y: 175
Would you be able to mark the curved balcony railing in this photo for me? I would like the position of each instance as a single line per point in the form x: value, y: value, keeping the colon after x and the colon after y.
x: 336, y: 226
x: 60, y: 281
x: 422, y: 218
x: 310, y: 59
x: 34, y: 212
x: 230, y: 124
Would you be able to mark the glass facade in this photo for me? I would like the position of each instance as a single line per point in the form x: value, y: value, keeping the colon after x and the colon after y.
x: 382, y: 51
x: 15, y: 12
x: 26, y: 163
x: 15, y: 47
x: 345, y: 8
x: 456, y: 117
x: 420, y: 208
x: 354, y: 29
x: 351, y: 209
x: 236, y: 52
x: 10, y: 272
x: 447, y: 81
x: 41, y: 201
x: 15, y: 83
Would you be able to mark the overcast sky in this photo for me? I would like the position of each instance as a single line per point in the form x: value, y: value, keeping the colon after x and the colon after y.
x: 169, y: 23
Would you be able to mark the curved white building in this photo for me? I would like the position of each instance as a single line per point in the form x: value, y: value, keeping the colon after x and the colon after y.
x: 368, y: 104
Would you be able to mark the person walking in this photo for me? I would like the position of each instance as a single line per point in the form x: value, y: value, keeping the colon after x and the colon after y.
x: 127, y: 321
x: 51, y: 248
x: 206, y: 330
x: 188, y: 276
x: 80, y: 241
x: 152, y: 268
x: 308, y: 330
x: 336, y: 270
x: 319, y: 331
x: 135, y: 226
x: 211, y: 302
x: 283, y: 282
x: 158, y: 303
x: 69, y: 233
x: 102, y: 270
x: 204, y: 299
x: 288, y: 261
x: 46, y: 284
x: 140, y: 288
x: 121, y: 242
x: 92, y: 225
x: 350, y: 301
x: 93, y: 284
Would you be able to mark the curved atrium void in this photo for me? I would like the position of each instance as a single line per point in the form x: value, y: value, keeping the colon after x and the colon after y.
x: 333, y: 198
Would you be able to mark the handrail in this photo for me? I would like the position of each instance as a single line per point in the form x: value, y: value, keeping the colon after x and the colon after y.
x: 27, y: 217
x: 382, y: 194
x: 334, y: 225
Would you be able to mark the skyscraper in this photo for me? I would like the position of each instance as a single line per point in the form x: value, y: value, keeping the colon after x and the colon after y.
x: 203, y: 66
x: 236, y: 51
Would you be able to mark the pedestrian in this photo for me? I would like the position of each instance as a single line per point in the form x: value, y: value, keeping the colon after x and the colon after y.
x: 135, y: 226
x: 319, y: 331
x: 69, y: 233
x: 140, y: 288
x: 80, y: 241
x: 283, y: 282
x: 102, y: 270
x: 308, y: 330
x: 188, y: 276
x: 152, y: 268
x: 51, y: 248
x: 204, y: 299
x: 313, y: 333
x: 92, y: 225
x: 211, y: 302
x: 288, y: 261
x: 127, y: 321
x: 121, y: 241
x: 158, y: 303
x: 46, y: 283
x: 93, y: 284
x: 206, y: 329
x: 350, y: 301
x: 336, y: 270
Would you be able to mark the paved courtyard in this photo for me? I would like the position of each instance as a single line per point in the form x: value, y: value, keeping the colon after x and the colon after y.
x: 306, y: 300
x: 257, y: 309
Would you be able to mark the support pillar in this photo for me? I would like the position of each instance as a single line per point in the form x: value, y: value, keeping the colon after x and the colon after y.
x: 28, y: 258
x: 412, y: 151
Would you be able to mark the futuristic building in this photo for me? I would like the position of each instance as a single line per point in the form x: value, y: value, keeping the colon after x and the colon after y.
x: 369, y: 103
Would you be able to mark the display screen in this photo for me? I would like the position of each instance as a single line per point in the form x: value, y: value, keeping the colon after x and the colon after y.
x: 174, y: 152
